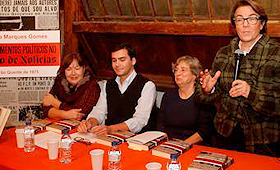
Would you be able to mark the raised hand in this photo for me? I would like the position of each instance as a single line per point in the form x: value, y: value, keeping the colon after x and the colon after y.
x: 207, y: 82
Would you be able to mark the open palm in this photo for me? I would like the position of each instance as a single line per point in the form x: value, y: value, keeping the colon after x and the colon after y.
x: 207, y: 81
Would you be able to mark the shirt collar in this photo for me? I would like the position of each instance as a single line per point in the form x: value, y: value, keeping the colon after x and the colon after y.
x: 128, y: 80
x: 247, y: 52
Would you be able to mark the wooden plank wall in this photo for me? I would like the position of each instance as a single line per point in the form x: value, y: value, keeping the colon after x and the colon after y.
x: 157, y: 43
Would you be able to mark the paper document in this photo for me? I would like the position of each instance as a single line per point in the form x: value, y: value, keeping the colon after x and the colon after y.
x: 41, y: 139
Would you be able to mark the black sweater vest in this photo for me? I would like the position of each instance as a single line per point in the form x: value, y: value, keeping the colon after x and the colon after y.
x: 122, y: 106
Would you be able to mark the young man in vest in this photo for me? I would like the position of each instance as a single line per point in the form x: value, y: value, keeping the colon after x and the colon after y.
x: 125, y: 102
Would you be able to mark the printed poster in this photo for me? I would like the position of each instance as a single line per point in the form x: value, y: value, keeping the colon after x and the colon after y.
x: 29, y: 53
x: 29, y: 14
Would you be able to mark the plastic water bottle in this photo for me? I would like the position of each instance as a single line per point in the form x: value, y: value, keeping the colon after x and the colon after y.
x: 65, y: 154
x: 173, y: 163
x: 29, y: 145
x: 114, y: 157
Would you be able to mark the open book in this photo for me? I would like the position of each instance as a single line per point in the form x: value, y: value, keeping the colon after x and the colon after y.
x: 173, y: 146
x: 4, y: 115
x: 210, y: 160
x: 147, y: 140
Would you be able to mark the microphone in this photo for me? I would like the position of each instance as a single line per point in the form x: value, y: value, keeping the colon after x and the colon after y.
x: 238, y: 57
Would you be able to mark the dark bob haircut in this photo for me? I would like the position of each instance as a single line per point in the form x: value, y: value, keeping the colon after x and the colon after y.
x: 68, y: 59
x: 256, y: 6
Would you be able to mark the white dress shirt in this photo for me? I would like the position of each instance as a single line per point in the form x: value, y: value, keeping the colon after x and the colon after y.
x: 142, y: 110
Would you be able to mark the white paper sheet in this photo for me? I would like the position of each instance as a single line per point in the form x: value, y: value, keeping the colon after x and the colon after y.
x: 42, y: 138
x: 146, y: 137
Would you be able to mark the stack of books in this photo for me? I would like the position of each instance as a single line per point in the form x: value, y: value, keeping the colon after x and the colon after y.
x: 40, y: 124
x: 172, y: 146
x: 120, y: 137
x: 4, y: 115
x: 147, y: 140
x: 210, y: 161
x: 59, y: 126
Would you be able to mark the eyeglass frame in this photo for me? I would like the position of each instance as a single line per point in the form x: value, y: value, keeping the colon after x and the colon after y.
x: 249, y: 20
x: 82, y: 140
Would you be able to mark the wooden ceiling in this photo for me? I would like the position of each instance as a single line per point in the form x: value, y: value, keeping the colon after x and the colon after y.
x: 199, y: 24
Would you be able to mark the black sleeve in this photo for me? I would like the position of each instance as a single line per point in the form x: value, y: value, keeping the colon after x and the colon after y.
x: 205, y: 121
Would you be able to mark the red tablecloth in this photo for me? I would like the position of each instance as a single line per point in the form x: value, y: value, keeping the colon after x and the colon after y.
x: 12, y: 157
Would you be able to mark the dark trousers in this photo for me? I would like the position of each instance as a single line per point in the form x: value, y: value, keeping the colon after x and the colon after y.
x: 236, y: 140
x: 271, y: 149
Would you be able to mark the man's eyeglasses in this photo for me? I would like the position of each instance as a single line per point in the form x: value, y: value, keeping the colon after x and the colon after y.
x: 82, y: 140
x: 250, y: 20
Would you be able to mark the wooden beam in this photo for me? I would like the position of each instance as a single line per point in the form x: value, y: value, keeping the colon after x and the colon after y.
x: 202, y: 27
x: 169, y: 28
x: 70, y: 38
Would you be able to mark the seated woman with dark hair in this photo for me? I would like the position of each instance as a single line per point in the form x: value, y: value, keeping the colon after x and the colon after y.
x: 179, y: 116
x: 74, y: 92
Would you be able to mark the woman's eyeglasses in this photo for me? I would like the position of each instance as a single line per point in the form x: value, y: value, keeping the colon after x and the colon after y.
x: 82, y: 140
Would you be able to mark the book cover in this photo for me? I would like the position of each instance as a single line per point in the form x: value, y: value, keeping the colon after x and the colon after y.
x: 138, y: 145
x: 59, y: 126
x: 56, y: 128
x: 71, y: 124
x: 210, y: 160
x: 173, y: 146
x: 40, y: 124
x: 120, y: 137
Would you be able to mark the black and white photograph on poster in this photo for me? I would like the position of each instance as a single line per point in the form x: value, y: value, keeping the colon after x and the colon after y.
x: 23, y: 95
x: 29, y: 14
x: 30, y: 112
x: 17, y: 23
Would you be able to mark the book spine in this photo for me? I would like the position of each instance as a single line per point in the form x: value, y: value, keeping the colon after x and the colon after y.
x: 116, y: 137
x: 178, y: 149
x: 54, y: 129
x: 209, y: 161
x: 156, y: 142
x: 202, y: 166
x: 64, y: 124
x: 70, y: 122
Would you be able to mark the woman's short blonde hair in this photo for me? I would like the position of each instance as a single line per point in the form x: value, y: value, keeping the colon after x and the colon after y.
x: 193, y: 62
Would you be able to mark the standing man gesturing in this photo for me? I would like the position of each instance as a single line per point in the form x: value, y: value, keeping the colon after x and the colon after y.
x: 248, y: 108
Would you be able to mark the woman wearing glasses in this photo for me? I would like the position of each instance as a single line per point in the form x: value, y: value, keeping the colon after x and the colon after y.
x: 248, y: 107
x: 180, y: 117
